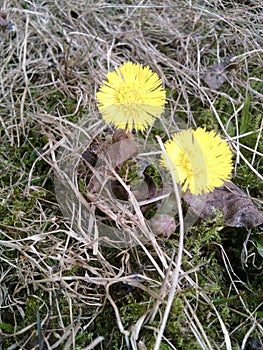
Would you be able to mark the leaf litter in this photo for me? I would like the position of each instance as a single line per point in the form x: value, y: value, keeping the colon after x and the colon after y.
x: 238, y: 208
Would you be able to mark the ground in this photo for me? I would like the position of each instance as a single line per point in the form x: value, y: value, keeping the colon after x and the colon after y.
x: 64, y: 287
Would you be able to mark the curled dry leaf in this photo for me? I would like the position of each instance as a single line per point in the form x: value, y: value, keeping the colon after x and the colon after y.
x: 147, y: 190
x: 105, y: 157
x: 123, y: 148
x: 237, y: 207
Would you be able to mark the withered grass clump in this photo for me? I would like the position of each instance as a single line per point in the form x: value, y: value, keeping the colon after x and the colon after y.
x: 63, y: 285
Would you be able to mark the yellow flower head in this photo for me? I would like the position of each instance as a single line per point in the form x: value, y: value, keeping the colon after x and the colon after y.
x: 131, y: 97
x: 201, y: 160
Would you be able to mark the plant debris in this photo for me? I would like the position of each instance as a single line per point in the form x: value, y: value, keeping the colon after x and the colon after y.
x: 216, y: 75
x: 238, y: 208
x: 5, y: 24
x: 164, y: 225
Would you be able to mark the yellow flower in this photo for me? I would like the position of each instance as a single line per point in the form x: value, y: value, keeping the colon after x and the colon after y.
x: 201, y: 160
x: 131, y: 97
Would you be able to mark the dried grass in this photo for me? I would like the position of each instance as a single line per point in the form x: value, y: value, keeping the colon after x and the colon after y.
x: 50, y: 71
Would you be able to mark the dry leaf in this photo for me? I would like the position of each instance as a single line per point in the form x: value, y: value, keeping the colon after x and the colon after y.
x: 3, y: 21
x: 123, y: 148
x: 4, y: 24
x: 237, y: 207
x: 147, y: 190
x: 163, y: 225
x: 216, y: 74
x: 90, y: 157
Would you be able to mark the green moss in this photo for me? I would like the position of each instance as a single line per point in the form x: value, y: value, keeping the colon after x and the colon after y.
x: 105, y: 325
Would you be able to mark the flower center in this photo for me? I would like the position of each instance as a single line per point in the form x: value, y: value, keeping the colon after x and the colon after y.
x: 187, y: 166
x: 193, y: 166
x: 129, y: 94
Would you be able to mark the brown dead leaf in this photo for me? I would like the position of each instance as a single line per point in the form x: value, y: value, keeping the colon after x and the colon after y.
x: 90, y: 157
x: 146, y: 191
x: 215, y: 76
x: 3, y: 21
x: 4, y: 24
x: 237, y: 207
x: 163, y: 225
x: 113, y: 156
